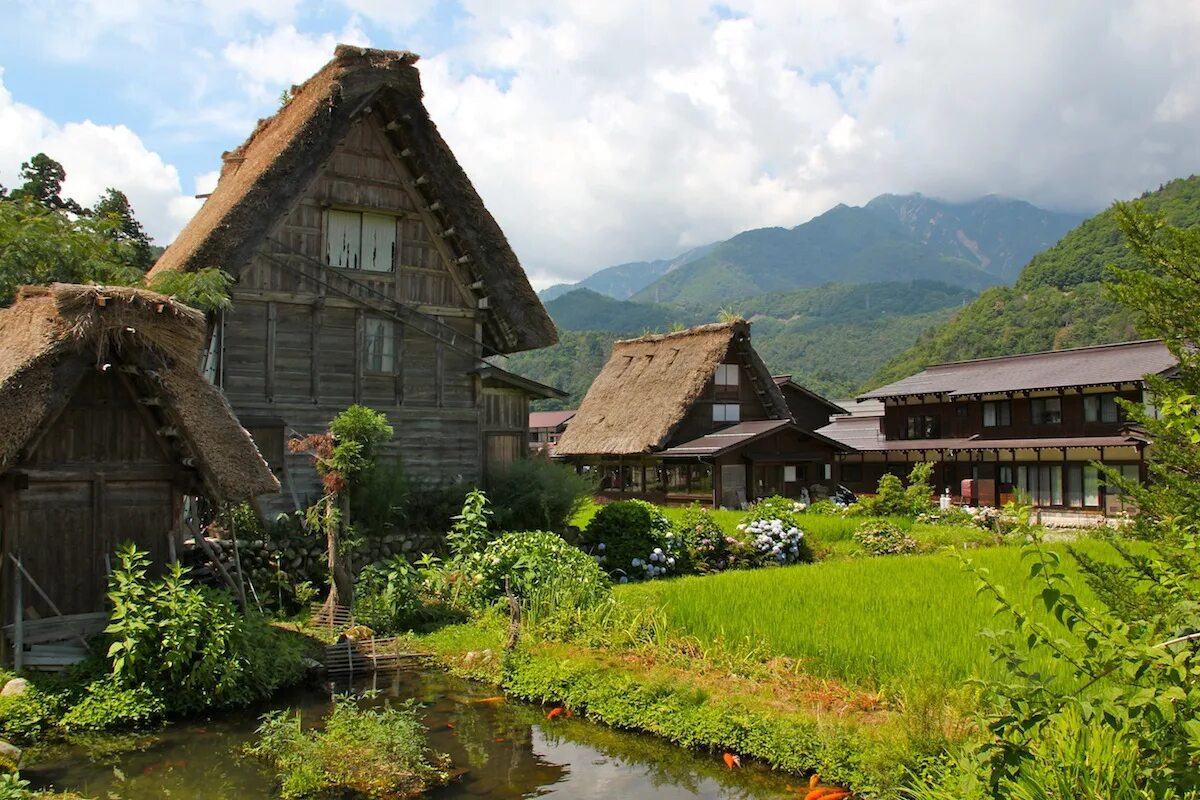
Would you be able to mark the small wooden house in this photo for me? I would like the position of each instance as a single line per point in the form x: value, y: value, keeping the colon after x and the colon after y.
x: 367, y: 271
x: 695, y: 416
x: 107, y: 426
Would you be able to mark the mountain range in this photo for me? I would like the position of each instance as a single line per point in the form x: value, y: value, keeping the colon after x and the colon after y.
x: 973, y: 244
x: 907, y: 271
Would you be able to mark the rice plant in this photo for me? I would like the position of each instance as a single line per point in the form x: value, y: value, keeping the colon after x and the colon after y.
x: 869, y: 621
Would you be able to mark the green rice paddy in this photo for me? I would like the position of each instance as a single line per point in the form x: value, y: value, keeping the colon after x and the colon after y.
x: 868, y: 621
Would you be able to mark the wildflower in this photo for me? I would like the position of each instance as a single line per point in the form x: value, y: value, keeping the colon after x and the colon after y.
x: 637, y: 562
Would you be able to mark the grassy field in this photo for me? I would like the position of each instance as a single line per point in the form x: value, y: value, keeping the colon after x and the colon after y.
x: 869, y: 621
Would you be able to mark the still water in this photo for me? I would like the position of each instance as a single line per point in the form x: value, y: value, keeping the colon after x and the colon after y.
x: 507, y: 749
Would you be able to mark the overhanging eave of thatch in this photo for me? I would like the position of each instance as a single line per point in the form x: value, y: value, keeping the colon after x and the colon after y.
x: 49, y: 328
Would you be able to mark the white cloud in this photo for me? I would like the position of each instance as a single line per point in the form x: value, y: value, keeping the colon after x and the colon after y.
x: 605, y: 132
x: 285, y: 56
x: 95, y: 157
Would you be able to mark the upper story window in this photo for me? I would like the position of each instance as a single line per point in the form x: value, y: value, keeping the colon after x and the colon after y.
x: 360, y: 240
x: 1101, y: 408
x: 923, y: 426
x: 997, y: 413
x: 727, y: 412
x: 1046, y: 410
x: 727, y: 375
x: 379, y: 349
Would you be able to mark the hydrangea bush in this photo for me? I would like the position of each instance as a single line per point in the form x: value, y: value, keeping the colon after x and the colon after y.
x: 773, y: 532
x: 881, y: 538
x: 633, y: 540
x: 708, y: 547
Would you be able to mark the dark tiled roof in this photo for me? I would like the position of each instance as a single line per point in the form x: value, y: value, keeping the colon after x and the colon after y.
x: 785, y: 382
x: 1126, y: 362
x: 549, y: 419
x: 859, y: 432
x: 915, y: 445
x: 726, y: 439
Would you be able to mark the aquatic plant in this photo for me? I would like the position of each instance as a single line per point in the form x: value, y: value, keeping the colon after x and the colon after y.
x: 376, y: 752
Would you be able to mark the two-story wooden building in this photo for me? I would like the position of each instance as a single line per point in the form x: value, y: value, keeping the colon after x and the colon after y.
x: 367, y: 271
x: 1032, y: 424
x: 695, y: 416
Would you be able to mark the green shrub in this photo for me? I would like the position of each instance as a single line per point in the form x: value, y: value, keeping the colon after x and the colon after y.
x: 386, y: 597
x: 27, y: 716
x: 880, y: 538
x: 706, y: 545
x: 773, y: 534
x: 106, y: 706
x: 469, y: 533
x: 542, y: 570
x: 379, y: 498
x: 432, y: 506
x: 825, y: 507
x: 632, y: 540
x: 367, y: 752
x: 189, y: 644
x: 537, y: 494
x: 892, y: 498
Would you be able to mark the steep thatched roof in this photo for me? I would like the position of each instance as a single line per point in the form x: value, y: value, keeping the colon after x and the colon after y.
x: 263, y: 177
x: 47, y: 326
x: 648, y: 385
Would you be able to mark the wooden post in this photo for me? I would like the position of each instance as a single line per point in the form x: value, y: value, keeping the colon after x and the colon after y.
x: 18, y: 623
x: 398, y: 367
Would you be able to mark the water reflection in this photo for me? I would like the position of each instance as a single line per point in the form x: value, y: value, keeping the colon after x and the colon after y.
x: 505, y: 749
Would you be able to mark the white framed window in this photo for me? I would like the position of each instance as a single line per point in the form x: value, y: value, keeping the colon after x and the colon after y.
x: 1101, y: 408
x: 379, y: 349
x: 997, y: 414
x: 727, y: 412
x: 360, y: 240
x: 727, y: 375
x: 1046, y: 410
x: 789, y: 473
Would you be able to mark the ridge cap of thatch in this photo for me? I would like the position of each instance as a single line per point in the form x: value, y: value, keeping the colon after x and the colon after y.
x: 695, y: 330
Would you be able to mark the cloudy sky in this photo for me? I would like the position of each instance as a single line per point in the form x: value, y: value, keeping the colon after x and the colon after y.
x: 615, y: 130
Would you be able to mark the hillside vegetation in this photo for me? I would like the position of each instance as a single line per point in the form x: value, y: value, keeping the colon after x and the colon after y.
x: 1059, y: 299
x: 894, y: 237
x: 827, y: 338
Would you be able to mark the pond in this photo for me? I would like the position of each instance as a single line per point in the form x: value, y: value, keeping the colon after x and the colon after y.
x: 508, y: 749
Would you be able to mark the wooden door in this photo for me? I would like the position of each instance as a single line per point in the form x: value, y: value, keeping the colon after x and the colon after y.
x: 68, y: 565
x: 733, y: 485
x: 139, y: 512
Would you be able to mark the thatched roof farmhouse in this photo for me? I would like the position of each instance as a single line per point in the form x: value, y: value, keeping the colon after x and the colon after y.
x: 695, y: 414
x: 368, y: 271
x: 108, y: 426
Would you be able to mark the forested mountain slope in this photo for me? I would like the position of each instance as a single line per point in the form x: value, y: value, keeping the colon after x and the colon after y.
x: 1058, y: 300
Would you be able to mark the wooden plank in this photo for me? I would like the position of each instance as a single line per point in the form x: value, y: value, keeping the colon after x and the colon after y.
x: 314, y: 376
x: 439, y: 372
x: 269, y: 387
x: 359, y: 337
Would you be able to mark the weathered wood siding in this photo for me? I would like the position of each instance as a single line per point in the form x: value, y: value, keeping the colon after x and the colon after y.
x: 294, y: 345
x: 98, y: 476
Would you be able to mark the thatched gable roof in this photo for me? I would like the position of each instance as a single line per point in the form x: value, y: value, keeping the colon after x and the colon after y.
x: 47, y: 325
x: 646, y: 388
x: 263, y: 177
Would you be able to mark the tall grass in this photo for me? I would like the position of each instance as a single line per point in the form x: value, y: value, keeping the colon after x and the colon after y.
x: 869, y: 621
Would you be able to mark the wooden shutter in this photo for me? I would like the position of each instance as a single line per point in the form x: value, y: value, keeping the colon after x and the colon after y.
x: 378, y: 242
x: 343, y: 239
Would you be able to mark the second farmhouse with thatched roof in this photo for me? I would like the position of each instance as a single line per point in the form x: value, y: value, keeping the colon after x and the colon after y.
x: 368, y: 271
x: 695, y: 415
x: 108, y: 426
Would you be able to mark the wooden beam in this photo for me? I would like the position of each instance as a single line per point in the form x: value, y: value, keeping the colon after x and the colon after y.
x: 439, y: 371
x: 399, y: 365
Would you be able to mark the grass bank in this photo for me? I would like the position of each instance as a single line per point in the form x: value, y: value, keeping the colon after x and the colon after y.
x: 853, y: 668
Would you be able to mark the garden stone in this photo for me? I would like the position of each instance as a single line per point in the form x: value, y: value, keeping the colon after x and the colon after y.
x: 10, y: 757
x: 15, y: 687
x: 407, y: 546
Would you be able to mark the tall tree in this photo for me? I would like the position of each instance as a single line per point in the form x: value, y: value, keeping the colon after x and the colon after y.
x: 44, y: 178
x: 114, y: 206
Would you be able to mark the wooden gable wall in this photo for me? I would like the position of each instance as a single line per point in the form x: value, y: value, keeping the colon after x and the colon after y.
x: 293, y: 344
x: 699, y: 418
